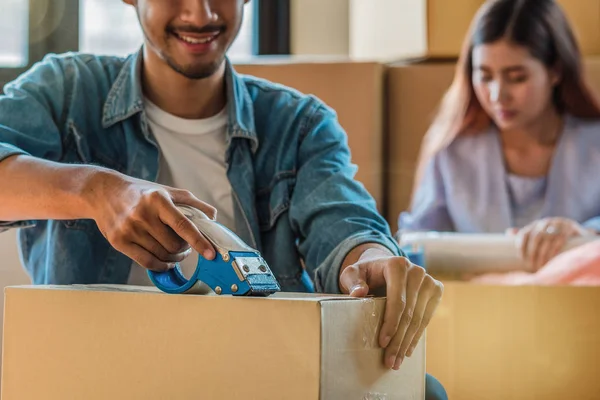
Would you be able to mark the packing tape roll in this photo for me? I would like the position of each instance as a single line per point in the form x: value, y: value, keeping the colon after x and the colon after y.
x: 472, y: 253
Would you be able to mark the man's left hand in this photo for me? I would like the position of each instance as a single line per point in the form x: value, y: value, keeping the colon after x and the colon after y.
x: 412, y: 298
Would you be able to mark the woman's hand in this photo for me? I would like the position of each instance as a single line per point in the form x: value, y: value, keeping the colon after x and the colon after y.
x: 543, y: 239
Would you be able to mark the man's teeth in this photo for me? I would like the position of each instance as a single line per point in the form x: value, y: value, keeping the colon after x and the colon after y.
x: 192, y: 40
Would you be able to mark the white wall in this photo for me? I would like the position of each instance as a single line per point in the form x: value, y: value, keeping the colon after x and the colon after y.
x: 320, y: 27
x: 11, y: 272
x: 375, y: 30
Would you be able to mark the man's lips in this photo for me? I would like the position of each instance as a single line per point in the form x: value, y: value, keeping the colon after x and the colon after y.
x: 197, y: 38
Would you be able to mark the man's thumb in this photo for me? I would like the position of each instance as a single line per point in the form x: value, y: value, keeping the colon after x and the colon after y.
x: 353, y: 282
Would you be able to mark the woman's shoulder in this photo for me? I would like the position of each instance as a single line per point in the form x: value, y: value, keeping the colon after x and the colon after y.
x: 587, y: 131
x: 472, y: 145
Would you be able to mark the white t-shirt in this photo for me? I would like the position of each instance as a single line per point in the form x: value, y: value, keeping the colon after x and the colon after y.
x: 192, y: 158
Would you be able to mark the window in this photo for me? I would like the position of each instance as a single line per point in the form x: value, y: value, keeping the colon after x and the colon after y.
x: 111, y: 27
x: 14, y: 37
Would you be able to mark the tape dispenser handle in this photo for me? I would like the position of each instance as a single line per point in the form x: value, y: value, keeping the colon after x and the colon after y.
x: 193, y: 214
x: 218, y: 235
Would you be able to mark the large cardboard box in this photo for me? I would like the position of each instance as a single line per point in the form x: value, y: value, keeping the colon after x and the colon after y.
x: 513, y: 343
x: 414, y: 94
x: 592, y: 72
x: 136, y: 343
x: 400, y: 29
x: 354, y: 90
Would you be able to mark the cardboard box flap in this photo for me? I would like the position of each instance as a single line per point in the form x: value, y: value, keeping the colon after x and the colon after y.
x: 286, y: 296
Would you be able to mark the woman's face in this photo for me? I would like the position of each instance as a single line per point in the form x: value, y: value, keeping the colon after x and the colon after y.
x: 514, y: 88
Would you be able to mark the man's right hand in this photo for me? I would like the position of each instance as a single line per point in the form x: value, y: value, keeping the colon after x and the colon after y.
x: 140, y: 219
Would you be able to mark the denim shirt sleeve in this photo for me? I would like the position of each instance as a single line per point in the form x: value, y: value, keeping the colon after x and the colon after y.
x: 29, y: 110
x: 332, y: 212
x: 429, y: 209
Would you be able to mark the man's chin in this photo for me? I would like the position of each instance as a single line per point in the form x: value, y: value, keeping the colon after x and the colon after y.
x: 197, y: 71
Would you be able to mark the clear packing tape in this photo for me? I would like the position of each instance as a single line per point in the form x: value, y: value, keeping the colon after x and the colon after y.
x: 375, y: 396
x: 449, y: 253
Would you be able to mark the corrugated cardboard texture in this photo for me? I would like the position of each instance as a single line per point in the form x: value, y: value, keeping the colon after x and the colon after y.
x: 414, y: 92
x: 348, y: 329
x: 114, y: 343
x: 513, y: 343
x: 355, y: 92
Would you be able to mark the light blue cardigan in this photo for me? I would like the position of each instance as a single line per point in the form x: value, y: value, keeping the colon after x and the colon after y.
x: 465, y: 187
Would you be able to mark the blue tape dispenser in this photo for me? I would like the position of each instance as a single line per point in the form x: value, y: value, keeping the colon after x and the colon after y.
x: 237, y: 268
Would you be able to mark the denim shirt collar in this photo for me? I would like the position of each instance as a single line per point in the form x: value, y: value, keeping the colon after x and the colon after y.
x: 125, y: 99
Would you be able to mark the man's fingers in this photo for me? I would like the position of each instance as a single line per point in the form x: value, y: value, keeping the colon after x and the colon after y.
x: 146, y: 259
x: 187, y: 198
x: 425, y: 294
x: 432, y: 305
x: 167, y: 237
x: 415, y: 276
x: 353, y: 281
x: 395, y: 277
x: 147, y: 242
x: 183, y: 227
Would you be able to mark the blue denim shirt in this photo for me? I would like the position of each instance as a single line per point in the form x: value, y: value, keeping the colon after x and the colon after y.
x: 295, y: 197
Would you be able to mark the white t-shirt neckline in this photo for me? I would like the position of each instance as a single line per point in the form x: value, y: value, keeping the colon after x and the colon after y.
x: 182, y: 125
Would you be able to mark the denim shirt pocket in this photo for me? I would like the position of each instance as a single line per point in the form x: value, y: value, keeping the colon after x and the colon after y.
x: 274, y: 200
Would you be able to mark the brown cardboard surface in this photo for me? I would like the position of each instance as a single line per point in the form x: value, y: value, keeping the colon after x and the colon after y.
x: 592, y: 72
x: 414, y: 93
x: 354, y: 90
x: 584, y: 17
x: 446, y: 24
x: 11, y: 271
x: 512, y: 343
x: 135, y: 343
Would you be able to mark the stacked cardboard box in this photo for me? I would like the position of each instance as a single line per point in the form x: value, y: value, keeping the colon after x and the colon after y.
x: 355, y: 91
x: 498, y: 343
x: 400, y: 29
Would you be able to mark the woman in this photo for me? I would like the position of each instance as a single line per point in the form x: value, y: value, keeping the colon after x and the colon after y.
x: 516, y: 144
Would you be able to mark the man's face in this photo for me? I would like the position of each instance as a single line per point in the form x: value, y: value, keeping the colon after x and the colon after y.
x: 191, y: 36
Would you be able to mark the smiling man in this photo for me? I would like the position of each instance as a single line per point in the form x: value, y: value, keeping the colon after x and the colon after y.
x: 96, y: 151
